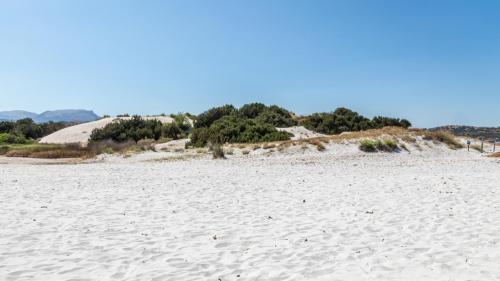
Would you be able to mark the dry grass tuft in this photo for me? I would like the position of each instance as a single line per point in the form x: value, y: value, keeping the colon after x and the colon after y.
x: 443, y: 137
x: 408, y: 139
x: 368, y: 145
x: 476, y: 147
x: 268, y: 145
x: 495, y: 154
x: 49, y: 151
x: 319, y: 145
x: 217, y: 151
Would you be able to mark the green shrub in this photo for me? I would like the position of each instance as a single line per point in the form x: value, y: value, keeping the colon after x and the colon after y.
x: 134, y: 129
x: 7, y: 126
x: 171, y: 131
x: 11, y: 138
x: 207, y: 118
x: 387, y: 146
x: 236, y: 129
x: 27, y: 129
x: 252, y: 110
x: 378, y: 145
x: 272, y: 115
x: 380, y: 122
x: 3, y: 149
x: 346, y: 120
x: 368, y: 146
x: 253, y: 122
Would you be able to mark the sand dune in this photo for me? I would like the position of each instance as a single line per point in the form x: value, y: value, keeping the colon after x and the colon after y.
x: 80, y: 133
x: 299, y: 132
x: 304, y: 215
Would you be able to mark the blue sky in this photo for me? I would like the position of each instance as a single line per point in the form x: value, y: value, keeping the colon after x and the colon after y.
x: 433, y: 62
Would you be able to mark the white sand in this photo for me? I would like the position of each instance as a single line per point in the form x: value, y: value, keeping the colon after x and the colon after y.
x: 430, y: 215
x: 81, y: 133
x: 300, y: 132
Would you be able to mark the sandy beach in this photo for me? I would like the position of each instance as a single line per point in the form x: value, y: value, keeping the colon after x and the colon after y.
x: 430, y: 215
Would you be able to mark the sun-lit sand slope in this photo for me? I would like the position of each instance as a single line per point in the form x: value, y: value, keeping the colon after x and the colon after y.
x: 80, y: 133
x: 314, y: 216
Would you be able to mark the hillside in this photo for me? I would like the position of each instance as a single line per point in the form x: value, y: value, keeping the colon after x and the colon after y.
x: 488, y: 133
x: 13, y: 115
x: 66, y: 115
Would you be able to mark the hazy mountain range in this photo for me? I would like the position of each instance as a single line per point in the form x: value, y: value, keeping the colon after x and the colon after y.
x: 66, y: 115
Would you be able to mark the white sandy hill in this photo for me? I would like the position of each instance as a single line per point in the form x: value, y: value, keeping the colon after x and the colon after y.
x: 80, y: 133
x: 300, y: 132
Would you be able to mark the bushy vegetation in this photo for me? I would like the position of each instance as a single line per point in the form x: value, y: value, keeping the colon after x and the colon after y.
x: 369, y: 145
x: 137, y: 128
x: 26, y: 130
x: 251, y: 123
x: 178, y: 129
x: 217, y: 151
x: 346, y: 120
x: 207, y: 118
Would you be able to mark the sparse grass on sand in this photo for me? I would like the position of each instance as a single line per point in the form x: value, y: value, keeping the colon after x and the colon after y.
x: 476, y: 147
x: 56, y: 151
x: 495, y: 154
x: 217, y: 151
x: 368, y: 145
x: 443, y: 137
x: 48, y: 151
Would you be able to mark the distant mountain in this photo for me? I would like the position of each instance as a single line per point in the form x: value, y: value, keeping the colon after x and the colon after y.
x: 67, y: 115
x: 16, y: 114
x: 488, y: 133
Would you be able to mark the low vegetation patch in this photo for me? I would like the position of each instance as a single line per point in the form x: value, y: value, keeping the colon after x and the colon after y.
x: 25, y: 131
x: 346, y: 120
x: 251, y: 123
x: 476, y: 147
x: 495, y: 154
x: 319, y: 145
x: 48, y: 151
x: 443, y: 137
x: 236, y: 129
x: 217, y: 151
x: 55, y: 151
x: 137, y: 129
x: 368, y: 145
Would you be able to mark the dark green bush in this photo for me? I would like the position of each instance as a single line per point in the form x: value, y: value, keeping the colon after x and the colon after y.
x: 341, y: 120
x: 254, y: 122
x: 346, y: 120
x: 134, y: 129
x: 7, y: 126
x: 378, y: 145
x: 205, y: 119
x: 380, y: 122
x: 236, y: 129
x: 277, y: 117
x: 28, y: 128
x: 178, y: 129
x: 12, y: 138
x: 25, y: 129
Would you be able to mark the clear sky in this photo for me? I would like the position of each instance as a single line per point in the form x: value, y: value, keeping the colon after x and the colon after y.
x: 433, y: 62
